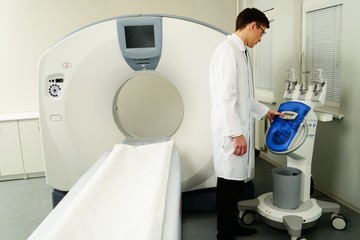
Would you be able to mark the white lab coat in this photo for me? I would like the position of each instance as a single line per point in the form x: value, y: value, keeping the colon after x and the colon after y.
x: 233, y: 109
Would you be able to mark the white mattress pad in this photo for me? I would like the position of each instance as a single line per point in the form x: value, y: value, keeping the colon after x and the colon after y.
x: 125, y: 199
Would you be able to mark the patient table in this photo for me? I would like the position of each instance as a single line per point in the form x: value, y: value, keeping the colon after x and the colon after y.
x: 132, y: 192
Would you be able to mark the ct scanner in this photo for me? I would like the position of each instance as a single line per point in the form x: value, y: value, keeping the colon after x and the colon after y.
x: 84, y: 109
x: 132, y: 81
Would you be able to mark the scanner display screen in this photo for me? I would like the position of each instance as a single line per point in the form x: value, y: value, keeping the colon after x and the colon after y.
x: 141, y: 36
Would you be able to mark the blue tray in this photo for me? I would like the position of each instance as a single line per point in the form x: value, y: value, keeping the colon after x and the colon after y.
x: 282, y: 131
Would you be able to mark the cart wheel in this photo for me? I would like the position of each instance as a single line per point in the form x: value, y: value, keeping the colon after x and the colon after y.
x: 338, y: 222
x: 297, y: 238
x: 248, y: 217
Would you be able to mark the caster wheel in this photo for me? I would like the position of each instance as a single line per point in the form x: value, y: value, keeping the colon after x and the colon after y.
x: 248, y: 218
x: 338, y: 222
x: 298, y: 238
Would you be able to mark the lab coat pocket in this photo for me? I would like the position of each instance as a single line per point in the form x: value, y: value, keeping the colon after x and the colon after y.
x: 228, y: 147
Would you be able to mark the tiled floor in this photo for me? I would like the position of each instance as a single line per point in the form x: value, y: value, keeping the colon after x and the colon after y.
x: 23, y: 206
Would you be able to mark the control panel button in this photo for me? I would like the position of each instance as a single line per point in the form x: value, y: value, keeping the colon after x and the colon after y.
x: 55, y: 117
x: 55, y: 86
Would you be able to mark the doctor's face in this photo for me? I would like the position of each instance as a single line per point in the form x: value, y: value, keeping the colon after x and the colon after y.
x: 257, y: 32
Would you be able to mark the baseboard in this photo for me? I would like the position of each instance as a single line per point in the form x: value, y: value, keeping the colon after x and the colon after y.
x: 35, y: 175
x: 338, y: 199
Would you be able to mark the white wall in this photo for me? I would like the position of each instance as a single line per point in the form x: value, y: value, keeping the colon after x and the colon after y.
x: 28, y: 28
x: 337, y: 155
x: 336, y: 160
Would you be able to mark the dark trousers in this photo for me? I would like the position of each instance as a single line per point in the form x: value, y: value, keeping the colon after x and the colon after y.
x: 228, y: 193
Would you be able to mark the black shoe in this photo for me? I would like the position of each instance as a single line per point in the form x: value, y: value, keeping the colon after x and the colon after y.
x: 243, y: 231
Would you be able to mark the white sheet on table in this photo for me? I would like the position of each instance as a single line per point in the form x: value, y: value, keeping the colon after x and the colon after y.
x: 125, y: 199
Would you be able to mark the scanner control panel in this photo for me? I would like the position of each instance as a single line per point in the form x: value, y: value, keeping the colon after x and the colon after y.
x: 55, y: 87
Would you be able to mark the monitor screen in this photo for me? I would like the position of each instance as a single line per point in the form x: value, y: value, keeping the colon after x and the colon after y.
x: 141, y: 36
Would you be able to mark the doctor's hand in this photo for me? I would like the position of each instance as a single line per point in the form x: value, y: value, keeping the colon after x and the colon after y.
x: 240, y: 145
x: 271, y: 114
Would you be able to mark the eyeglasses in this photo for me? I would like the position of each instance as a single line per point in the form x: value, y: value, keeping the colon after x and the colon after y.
x: 262, y: 30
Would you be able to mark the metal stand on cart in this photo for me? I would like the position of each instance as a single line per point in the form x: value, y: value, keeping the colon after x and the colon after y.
x: 297, y: 142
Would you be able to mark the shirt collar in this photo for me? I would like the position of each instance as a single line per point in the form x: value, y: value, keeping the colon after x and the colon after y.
x: 238, y: 42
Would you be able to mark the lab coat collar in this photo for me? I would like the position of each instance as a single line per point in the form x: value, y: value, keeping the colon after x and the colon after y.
x: 238, y: 42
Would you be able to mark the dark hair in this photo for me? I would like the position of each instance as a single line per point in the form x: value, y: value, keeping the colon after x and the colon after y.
x: 249, y: 15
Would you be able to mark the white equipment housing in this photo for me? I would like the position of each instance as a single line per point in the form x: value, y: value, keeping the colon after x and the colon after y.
x: 81, y: 76
x: 299, y: 156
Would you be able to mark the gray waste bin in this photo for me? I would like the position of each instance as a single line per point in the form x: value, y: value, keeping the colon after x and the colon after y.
x: 286, y: 187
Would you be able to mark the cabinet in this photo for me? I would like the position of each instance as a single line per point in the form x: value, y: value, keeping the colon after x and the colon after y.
x: 20, y: 146
x: 10, y: 150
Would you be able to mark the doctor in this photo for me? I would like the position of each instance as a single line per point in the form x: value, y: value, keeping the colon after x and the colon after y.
x: 233, y: 109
